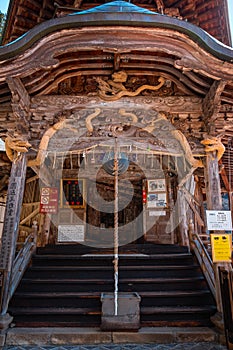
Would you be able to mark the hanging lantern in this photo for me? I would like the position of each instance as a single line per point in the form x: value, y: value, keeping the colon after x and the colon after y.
x: 108, y: 163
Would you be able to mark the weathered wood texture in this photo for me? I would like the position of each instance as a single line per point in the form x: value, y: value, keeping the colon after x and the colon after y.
x: 11, y: 223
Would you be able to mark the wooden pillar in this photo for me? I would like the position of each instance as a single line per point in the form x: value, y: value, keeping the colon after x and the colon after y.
x: 10, y: 231
x: 214, y: 202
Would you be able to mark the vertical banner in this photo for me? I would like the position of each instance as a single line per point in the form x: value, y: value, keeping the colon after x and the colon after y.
x: 49, y: 200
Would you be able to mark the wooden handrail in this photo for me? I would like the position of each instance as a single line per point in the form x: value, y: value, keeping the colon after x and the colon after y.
x: 22, y: 260
x: 203, y: 258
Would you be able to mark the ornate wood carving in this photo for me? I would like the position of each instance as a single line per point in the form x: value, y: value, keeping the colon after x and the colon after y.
x: 113, y: 89
x: 160, y: 6
x: 45, y: 107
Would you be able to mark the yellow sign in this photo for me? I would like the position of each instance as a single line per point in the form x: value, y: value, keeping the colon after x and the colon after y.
x: 221, y: 247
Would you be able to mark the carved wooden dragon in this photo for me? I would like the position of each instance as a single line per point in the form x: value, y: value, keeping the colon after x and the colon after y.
x: 113, y: 89
x: 15, y: 145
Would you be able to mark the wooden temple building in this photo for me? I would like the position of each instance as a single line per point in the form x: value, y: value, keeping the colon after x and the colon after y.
x: 117, y: 119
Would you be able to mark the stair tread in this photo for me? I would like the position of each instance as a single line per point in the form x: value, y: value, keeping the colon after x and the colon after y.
x: 97, y: 268
x: 54, y: 310
x: 144, y: 309
x: 110, y: 256
x: 98, y: 294
x: 121, y: 280
x: 177, y: 309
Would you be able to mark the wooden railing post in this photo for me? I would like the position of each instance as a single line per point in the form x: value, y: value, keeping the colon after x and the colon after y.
x: 34, y: 233
x: 214, y: 202
x: 10, y: 231
x: 191, y: 233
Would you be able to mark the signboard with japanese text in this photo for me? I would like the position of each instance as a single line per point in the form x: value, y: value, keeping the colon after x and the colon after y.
x: 221, y: 247
x: 49, y: 200
x: 219, y: 220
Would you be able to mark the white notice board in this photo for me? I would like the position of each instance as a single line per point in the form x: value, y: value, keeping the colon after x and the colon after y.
x: 70, y: 233
x: 219, y: 220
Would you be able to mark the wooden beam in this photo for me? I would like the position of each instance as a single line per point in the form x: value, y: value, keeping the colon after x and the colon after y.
x: 30, y: 204
x: 30, y: 216
x: 211, y: 103
x: 224, y: 177
x: 54, y: 104
x: 20, y: 103
x: 31, y: 179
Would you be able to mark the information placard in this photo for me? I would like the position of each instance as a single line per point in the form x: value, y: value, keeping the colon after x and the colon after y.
x: 70, y: 233
x: 219, y: 220
x: 221, y: 247
x: 49, y: 200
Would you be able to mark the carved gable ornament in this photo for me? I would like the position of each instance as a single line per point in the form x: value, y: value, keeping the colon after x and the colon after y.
x: 113, y: 89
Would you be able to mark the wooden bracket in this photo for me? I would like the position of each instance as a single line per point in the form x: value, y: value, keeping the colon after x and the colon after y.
x: 211, y: 104
x: 20, y: 103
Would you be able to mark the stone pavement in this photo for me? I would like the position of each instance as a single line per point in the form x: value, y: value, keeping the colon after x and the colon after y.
x: 180, y: 346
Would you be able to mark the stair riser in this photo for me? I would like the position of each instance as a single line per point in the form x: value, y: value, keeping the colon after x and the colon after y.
x: 96, y: 303
x: 107, y: 261
x: 108, y: 286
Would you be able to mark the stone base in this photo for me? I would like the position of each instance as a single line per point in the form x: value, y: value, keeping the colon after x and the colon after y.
x: 217, y: 320
x: 128, y: 312
x: 79, y: 336
x: 5, y: 321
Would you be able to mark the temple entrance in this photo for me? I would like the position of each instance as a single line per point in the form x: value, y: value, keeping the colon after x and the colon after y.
x: 100, y: 217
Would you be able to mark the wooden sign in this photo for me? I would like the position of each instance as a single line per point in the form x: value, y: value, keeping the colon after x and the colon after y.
x: 72, y: 193
x: 221, y: 247
x: 49, y: 200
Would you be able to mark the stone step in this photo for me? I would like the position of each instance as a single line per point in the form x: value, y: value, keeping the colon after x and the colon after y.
x: 82, y: 336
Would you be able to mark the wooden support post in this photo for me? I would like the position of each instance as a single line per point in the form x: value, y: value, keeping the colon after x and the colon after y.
x: 45, y: 230
x: 214, y: 202
x: 10, y: 230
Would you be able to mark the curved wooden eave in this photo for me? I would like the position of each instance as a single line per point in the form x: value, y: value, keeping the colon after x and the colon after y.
x: 43, y: 55
x: 99, y: 19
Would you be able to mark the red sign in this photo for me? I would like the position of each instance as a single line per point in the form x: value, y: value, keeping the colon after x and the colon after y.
x: 49, y: 200
x: 143, y: 196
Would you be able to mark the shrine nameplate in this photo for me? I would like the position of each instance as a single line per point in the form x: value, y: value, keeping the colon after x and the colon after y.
x: 70, y: 233
x: 72, y: 192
